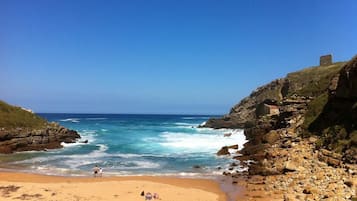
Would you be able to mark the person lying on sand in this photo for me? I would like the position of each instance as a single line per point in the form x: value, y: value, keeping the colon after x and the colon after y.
x: 156, y: 196
x: 148, y: 196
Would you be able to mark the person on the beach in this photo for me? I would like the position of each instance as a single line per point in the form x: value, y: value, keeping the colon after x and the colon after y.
x: 156, y: 196
x: 95, y: 170
x: 100, y: 172
x: 148, y: 196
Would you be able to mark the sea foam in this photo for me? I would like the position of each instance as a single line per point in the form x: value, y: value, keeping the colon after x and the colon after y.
x: 204, y: 142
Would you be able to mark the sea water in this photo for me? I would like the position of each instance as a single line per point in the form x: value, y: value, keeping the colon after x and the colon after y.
x: 132, y: 145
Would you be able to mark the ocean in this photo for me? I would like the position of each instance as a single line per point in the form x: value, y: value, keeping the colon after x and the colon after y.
x: 132, y: 145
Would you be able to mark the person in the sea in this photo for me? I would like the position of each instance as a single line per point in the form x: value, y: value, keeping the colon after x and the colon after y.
x: 95, y: 170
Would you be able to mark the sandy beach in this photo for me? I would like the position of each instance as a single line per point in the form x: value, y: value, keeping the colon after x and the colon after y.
x: 23, y: 186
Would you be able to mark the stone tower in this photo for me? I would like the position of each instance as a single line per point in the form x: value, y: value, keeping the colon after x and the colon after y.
x: 326, y: 60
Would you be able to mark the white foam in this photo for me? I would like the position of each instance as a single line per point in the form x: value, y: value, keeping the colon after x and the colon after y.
x: 88, y: 135
x: 128, y: 155
x: 146, y: 164
x: 71, y: 144
x: 203, y: 142
x: 203, y: 123
x: 73, y: 120
x: 102, y: 147
x: 185, y: 124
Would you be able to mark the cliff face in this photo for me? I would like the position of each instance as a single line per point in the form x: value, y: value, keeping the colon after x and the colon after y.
x: 337, y: 123
x: 21, y: 130
x: 317, y: 100
x: 310, y: 82
x: 302, y: 134
x: 243, y: 114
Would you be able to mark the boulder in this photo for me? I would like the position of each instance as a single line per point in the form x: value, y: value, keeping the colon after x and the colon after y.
x: 290, y: 166
x: 271, y: 137
x: 223, y: 151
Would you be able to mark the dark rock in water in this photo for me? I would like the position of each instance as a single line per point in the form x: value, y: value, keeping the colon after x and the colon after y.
x: 234, y: 164
x: 84, y: 141
x: 196, y: 167
x: 226, y: 173
x: 223, y: 151
x: 51, y: 137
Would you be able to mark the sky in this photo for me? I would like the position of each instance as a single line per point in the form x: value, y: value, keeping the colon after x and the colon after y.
x: 161, y: 56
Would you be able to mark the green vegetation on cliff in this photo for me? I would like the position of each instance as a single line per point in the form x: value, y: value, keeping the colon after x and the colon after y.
x: 335, y: 118
x: 16, y: 117
x: 312, y: 81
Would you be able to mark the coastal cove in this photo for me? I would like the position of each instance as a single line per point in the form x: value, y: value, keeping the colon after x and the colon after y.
x: 178, y: 100
x: 132, y: 145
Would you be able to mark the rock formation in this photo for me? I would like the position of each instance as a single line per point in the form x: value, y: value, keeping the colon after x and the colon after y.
x: 307, y: 149
x: 24, y: 131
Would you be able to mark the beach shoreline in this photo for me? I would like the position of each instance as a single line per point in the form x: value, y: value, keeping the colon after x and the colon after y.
x: 31, y: 186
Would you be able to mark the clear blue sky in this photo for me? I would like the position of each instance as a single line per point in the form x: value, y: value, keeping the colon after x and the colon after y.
x: 168, y: 56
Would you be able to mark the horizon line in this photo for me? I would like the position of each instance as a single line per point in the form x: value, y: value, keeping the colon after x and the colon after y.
x: 128, y: 113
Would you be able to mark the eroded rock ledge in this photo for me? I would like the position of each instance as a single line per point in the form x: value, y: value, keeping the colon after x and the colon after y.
x: 26, y: 139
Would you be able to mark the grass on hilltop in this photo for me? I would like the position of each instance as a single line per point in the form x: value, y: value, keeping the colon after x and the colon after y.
x: 313, y: 81
x: 15, y: 117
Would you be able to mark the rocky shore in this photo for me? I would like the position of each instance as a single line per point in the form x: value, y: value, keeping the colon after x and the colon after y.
x: 302, y: 136
x: 25, y: 139
x: 22, y: 130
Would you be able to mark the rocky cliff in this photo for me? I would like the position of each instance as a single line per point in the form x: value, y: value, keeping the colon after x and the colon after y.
x: 21, y: 130
x: 309, y: 82
x: 336, y: 124
x: 302, y: 134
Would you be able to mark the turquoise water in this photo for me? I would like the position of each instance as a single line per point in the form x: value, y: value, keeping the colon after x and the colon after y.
x: 132, y: 145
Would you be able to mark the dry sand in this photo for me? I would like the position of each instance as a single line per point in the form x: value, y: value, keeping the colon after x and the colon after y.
x: 23, y: 186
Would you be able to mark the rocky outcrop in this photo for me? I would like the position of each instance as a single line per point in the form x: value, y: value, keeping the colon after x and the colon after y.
x: 243, y: 114
x: 300, y: 175
x: 309, y: 83
x: 24, y: 139
x: 307, y: 145
x: 337, y: 123
x: 22, y: 130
